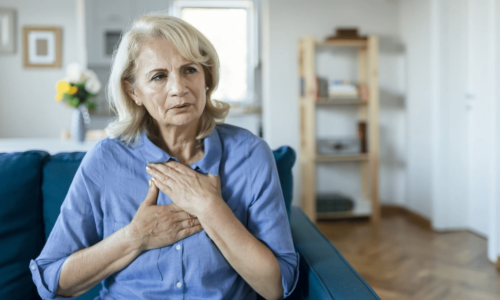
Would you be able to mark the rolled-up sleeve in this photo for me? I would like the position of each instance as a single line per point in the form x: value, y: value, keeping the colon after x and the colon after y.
x: 267, y: 219
x: 78, y: 226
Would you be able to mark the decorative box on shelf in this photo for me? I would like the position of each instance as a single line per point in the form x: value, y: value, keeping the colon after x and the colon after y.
x: 339, y: 146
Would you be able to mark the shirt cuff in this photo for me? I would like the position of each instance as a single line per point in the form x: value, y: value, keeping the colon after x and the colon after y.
x: 289, y: 274
x: 44, y: 290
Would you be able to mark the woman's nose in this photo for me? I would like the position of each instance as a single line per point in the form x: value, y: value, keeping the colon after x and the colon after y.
x: 176, y: 86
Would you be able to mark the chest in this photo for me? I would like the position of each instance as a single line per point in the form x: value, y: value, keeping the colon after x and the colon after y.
x: 126, y: 187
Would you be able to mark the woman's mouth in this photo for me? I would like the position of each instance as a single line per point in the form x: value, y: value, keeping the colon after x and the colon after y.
x: 181, y: 107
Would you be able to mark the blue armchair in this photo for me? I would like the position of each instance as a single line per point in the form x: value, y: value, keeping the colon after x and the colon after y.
x: 33, y: 185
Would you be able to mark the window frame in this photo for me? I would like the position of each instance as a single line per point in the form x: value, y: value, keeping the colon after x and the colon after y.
x: 251, y: 99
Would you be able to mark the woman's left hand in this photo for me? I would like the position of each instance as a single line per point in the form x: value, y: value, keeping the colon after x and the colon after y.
x: 193, y: 192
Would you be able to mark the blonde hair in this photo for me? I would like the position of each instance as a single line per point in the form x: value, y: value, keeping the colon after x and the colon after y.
x: 130, y: 118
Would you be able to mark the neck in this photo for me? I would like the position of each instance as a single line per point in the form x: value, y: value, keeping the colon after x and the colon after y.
x: 180, y: 142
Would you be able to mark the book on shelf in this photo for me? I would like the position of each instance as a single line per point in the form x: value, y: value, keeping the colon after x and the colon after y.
x: 336, y: 89
x: 362, y: 135
x: 363, y: 92
x: 342, y: 89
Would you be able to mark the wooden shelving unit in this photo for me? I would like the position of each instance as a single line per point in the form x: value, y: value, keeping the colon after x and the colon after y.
x: 366, y: 205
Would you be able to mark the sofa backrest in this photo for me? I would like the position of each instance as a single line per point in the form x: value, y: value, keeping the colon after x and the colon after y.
x: 58, y: 173
x: 21, y: 221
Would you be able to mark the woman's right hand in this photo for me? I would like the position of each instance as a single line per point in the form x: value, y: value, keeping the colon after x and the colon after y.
x: 155, y: 226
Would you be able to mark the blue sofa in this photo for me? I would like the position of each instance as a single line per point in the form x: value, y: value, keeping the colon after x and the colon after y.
x: 33, y: 185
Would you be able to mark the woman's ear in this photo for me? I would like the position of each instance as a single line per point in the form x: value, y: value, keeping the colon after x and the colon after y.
x: 130, y: 90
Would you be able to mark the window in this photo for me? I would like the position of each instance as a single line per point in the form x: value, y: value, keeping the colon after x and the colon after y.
x: 229, y: 25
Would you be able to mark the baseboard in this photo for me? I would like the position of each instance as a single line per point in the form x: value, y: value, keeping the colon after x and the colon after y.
x: 416, y: 218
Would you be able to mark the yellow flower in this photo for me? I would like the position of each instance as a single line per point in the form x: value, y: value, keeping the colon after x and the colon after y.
x: 72, y: 90
x: 63, y: 87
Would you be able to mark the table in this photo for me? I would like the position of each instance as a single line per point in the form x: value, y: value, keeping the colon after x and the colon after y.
x: 50, y: 145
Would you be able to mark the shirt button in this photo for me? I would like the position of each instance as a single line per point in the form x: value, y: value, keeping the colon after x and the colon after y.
x: 179, y: 284
x: 178, y: 247
x: 33, y: 267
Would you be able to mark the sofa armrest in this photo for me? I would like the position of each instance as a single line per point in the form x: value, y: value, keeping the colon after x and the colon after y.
x: 324, y: 272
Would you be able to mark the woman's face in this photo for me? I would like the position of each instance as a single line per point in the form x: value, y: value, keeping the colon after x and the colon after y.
x: 171, y: 87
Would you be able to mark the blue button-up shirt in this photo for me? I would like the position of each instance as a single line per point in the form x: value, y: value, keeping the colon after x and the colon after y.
x: 110, y: 184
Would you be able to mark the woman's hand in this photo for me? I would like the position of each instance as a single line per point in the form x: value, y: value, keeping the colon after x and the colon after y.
x: 155, y: 226
x: 190, y: 190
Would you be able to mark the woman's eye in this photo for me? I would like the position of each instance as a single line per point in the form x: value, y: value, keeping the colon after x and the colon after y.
x: 191, y: 70
x: 158, y: 77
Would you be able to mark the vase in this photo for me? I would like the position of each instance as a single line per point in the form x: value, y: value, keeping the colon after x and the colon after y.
x: 80, y: 123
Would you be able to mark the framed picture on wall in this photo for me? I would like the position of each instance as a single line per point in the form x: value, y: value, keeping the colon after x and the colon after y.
x: 42, y: 47
x: 7, y: 31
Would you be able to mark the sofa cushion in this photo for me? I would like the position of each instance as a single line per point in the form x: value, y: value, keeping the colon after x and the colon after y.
x: 285, y: 159
x: 58, y: 174
x: 21, y: 226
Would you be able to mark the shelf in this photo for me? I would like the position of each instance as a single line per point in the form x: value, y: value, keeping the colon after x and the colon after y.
x: 365, y: 102
x: 343, y: 157
x: 340, y: 101
x: 344, y: 43
x: 362, y: 208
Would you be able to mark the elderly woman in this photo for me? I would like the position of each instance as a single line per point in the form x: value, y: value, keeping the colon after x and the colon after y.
x: 173, y: 204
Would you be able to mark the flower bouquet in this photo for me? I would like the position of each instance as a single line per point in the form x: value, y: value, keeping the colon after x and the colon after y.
x: 79, y: 87
x: 77, y: 90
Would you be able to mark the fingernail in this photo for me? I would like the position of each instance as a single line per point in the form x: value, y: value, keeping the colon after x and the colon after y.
x: 148, y: 169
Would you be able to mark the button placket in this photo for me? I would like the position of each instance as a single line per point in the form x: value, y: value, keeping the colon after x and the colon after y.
x: 178, y: 248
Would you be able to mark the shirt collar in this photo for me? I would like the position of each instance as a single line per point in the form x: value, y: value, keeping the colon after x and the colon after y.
x: 209, y: 163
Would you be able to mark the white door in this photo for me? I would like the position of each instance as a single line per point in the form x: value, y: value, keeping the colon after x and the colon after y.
x: 449, y: 86
x: 481, y: 112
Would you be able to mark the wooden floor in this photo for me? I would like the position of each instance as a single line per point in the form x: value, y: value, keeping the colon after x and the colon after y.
x: 404, y: 259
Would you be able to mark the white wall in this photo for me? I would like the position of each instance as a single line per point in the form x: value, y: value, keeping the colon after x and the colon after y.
x: 284, y: 23
x: 415, y: 33
x: 27, y: 105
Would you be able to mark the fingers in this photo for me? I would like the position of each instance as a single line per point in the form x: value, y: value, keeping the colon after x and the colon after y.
x: 174, y: 169
x: 177, y: 216
x: 160, y: 178
x: 182, y: 234
x: 152, y: 196
x: 179, y: 167
x: 163, y: 184
x: 190, y: 223
x: 165, y: 168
